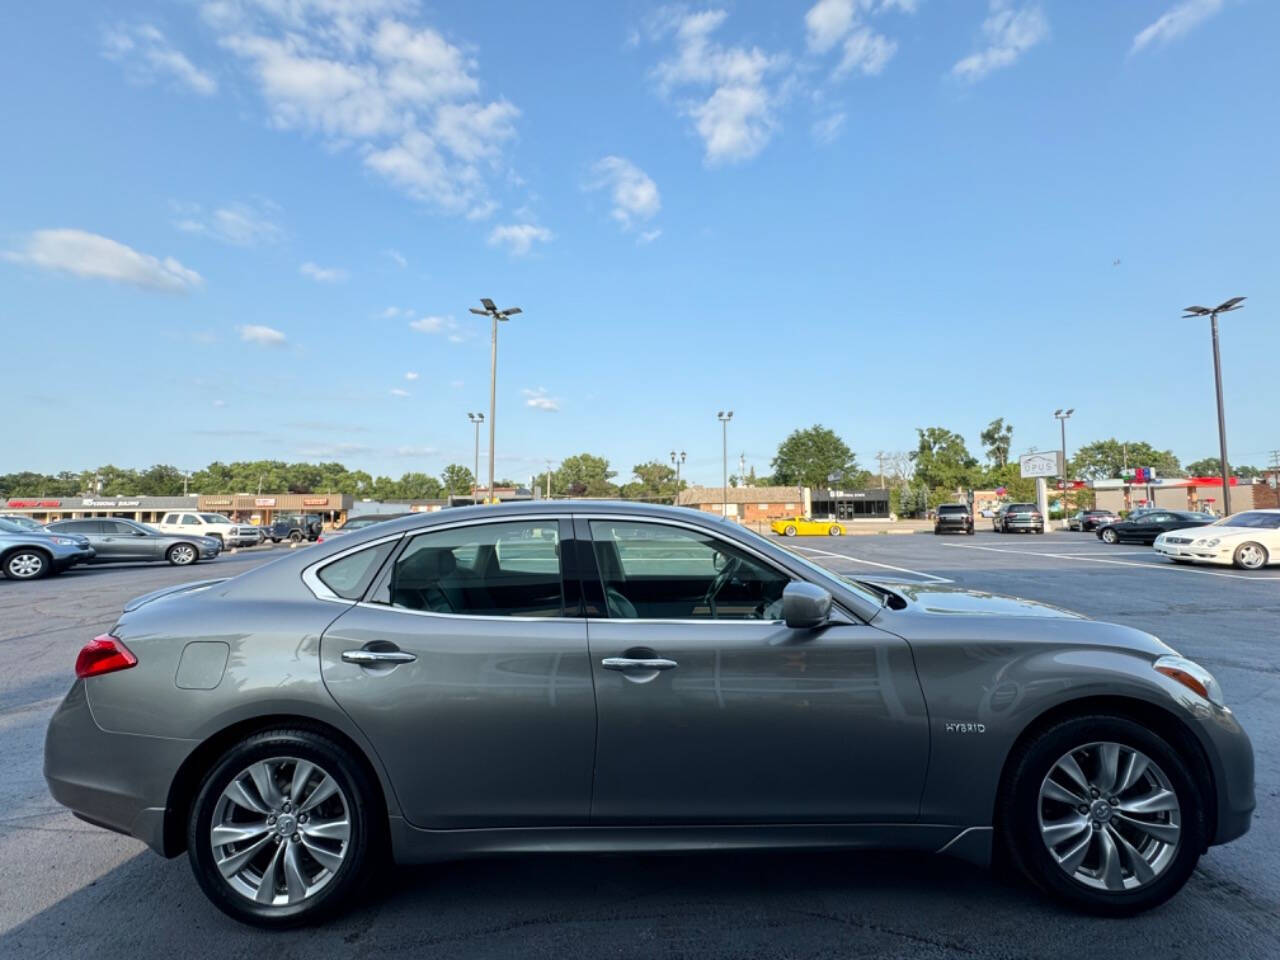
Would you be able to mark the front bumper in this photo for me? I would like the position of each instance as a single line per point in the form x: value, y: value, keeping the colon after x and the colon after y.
x: 73, y: 556
x: 114, y: 780
x: 1186, y: 551
x: 1231, y: 757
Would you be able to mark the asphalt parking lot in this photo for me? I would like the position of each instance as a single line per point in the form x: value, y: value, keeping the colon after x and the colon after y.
x: 69, y: 890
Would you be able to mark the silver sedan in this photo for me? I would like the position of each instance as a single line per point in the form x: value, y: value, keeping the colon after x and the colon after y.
x: 591, y: 676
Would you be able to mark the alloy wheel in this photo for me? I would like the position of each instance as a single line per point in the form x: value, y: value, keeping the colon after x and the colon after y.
x: 25, y: 566
x: 1251, y: 556
x: 182, y: 555
x: 1109, y: 817
x: 281, y: 831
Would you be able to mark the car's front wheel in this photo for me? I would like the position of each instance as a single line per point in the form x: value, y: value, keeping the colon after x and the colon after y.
x: 182, y: 555
x: 281, y: 832
x: 835, y: 530
x: 1103, y: 813
x: 1250, y: 556
x: 1109, y: 536
x: 789, y: 531
x: 26, y: 564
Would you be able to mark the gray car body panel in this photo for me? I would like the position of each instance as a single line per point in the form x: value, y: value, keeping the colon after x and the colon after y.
x: 118, y: 547
x: 896, y: 676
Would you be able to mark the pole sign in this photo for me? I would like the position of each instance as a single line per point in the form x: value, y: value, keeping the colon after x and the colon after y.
x: 1041, y: 464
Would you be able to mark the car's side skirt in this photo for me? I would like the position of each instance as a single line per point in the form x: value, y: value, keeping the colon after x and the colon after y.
x: 415, y: 845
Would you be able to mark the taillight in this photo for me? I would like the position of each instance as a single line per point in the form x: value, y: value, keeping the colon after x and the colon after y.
x: 104, y: 654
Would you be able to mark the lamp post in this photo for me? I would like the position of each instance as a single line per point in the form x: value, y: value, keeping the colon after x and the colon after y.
x: 1212, y: 313
x: 724, y: 419
x: 477, y: 419
x: 676, y: 461
x: 1063, y: 416
x: 495, y: 314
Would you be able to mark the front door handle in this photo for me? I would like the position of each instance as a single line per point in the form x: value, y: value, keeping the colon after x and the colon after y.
x: 366, y: 657
x: 631, y: 664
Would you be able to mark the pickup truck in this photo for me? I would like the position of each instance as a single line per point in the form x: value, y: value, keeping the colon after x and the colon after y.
x: 214, y: 525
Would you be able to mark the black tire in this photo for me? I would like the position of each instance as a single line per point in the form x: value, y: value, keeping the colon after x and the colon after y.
x: 183, y: 554
x: 364, y: 846
x: 1250, y: 556
x: 27, y: 563
x: 834, y: 531
x: 295, y: 537
x: 1109, y: 536
x: 969, y: 531
x: 1018, y: 813
x: 789, y: 531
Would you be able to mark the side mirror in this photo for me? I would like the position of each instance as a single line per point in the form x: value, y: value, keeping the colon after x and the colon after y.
x: 139, y: 533
x: 805, y: 605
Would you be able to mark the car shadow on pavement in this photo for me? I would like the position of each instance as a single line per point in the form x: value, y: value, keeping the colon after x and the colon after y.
x: 705, y: 905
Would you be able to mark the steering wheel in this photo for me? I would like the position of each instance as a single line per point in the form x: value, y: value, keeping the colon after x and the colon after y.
x: 731, y: 566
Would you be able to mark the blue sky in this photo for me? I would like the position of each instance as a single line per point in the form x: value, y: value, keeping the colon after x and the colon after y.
x: 252, y: 228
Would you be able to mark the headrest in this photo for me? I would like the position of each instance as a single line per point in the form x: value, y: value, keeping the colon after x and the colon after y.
x: 428, y: 564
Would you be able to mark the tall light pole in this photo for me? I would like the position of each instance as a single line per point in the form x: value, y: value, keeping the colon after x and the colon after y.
x: 724, y: 419
x: 1212, y: 313
x: 477, y: 419
x: 1063, y: 416
x: 676, y: 462
x: 493, y: 312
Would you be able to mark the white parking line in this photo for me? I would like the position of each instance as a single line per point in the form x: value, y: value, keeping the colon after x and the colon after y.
x: 1175, y: 568
x: 872, y: 563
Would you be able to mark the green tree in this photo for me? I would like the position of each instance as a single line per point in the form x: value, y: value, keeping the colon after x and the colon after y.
x: 942, y: 460
x: 1010, y: 477
x: 420, y: 486
x: 1104, y: 459
x: 161, y: 480
x: 816, y: 458
x: 584, y: 475
x: 996, y: 440
x: 654, y: 481
x: 457, y: 479
x: 1211, y: 467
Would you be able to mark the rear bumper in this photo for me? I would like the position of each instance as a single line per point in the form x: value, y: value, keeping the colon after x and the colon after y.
x: 114, y: 780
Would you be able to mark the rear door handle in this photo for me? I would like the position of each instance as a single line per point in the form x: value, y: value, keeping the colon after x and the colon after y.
x: 365, y: 657
x: 626, y: 664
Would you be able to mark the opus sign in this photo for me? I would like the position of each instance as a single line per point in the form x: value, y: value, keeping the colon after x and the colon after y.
x: 1041, y: 464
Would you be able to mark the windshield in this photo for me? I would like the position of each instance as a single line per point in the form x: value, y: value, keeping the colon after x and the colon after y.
x: 213, y: 518
x: 9, y: 526
x: 1255, y: 519
x: 26, y: 523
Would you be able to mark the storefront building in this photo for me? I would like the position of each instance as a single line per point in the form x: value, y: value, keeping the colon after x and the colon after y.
x: 240, y: 507
x: 1175, y: 493
x: 262, y: 509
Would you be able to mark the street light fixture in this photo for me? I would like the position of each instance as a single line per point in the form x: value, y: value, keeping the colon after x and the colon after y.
x: 477, y: 419
x: 493, y: 312
x: 724, y: 419
x: 1212, y: 313
x: 1063, y: 416
x: 676, y: 462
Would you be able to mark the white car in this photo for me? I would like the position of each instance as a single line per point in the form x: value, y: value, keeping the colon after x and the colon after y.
x: 210, y: 525
x: 1248, y: 540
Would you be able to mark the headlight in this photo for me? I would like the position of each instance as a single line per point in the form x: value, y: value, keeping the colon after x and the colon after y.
x: 1207, y: 542
x: 1192, y: 676
x: 63, y: 541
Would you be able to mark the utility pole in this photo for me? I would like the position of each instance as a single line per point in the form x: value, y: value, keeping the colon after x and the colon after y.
x: 724, y: 419
x: 1212, y: 313
x: 477, y: 419
x: 880, y: 461
x: 186, y: 475
x: 742, y: 469
x: 495, y: 314
x: 548, y: 479
x: 1063, y: 416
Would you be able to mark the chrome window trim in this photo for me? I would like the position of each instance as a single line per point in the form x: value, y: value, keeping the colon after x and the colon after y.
x: 388, y: 608
x: 311, y: 573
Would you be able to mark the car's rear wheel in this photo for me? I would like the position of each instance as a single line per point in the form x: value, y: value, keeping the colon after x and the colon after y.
x: 1109, y: 536
x: 281, y: 832
x: 835, y: 530
x: 1103, y: 813
x: 182, y: 555
x: 25, y: 564
x: 1250, y: 556
x: 789, y: 531
x: 295, y: 537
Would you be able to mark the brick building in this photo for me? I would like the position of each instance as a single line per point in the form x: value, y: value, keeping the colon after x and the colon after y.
x: 748, y: 504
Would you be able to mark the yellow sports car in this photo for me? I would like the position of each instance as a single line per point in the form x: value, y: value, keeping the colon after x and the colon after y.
x: 804, y: 527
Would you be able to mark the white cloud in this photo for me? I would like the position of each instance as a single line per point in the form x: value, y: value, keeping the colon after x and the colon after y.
x: 826, y: 22
x: 219, y: 403
x: 1010, y: 31
x: 519, y: 238
x: 397, y: 258
x: 539, y: 400
x: 398, y: 392
x: 739, y: 116
x: 411, y: 375
x: 634, y: 194
x: 263, y: 336
x: 827, y: 129
x: 148, y: 57
x: 322, y: 274
x: 432, y: 324
x: 410, y: 451
x: 1181, y: 19
x: 242, y: 224
x: 392, y: 312
x: 92, y: 255
x: 647, y: 236
x: 866, y: 51
x: 366, y: 74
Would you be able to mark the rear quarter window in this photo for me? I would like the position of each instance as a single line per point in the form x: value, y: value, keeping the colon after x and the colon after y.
x: 349, y: 576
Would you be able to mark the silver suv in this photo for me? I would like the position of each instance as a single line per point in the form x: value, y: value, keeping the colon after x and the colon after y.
x: 27, y: 554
